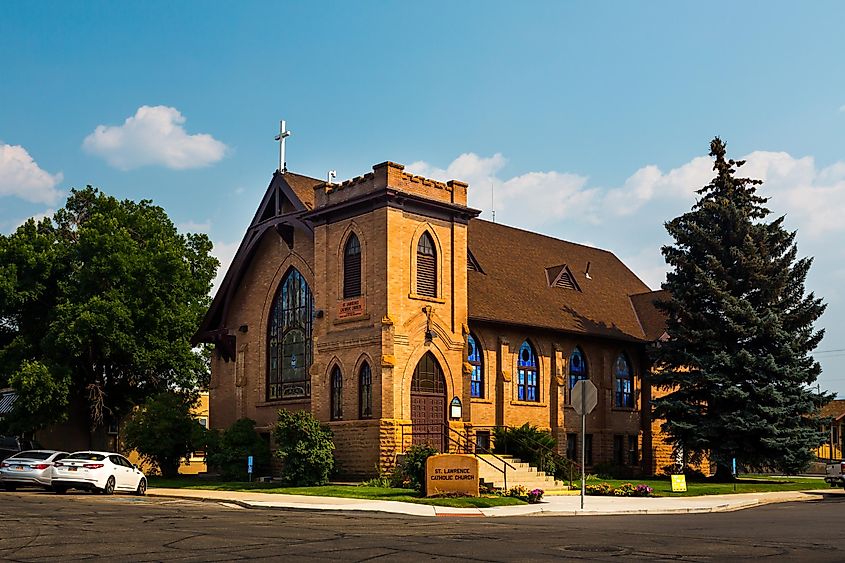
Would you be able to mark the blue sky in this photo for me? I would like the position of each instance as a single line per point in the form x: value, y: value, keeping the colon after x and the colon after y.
x: 588, y: 119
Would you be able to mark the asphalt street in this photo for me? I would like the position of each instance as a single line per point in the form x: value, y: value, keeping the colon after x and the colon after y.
x: 38, y: 526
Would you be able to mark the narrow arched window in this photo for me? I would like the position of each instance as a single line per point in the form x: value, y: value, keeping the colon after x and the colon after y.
x: 426, y: 266
x: 337, y: 394
x: 577, y: 367
x: 527, y: 385
x: 624, y: 396
x: 289, y: 339
x: 352, y: 268
x: 365, y: 391
x: 476, y: 376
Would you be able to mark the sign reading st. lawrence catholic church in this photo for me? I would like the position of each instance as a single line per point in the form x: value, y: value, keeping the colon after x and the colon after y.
x: 351, y: 308
x: 451, y: 473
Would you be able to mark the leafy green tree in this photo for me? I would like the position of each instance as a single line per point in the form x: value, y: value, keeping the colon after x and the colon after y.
x: 42, y: 398
x: 109, y: 293
x: 305, y: 448
x: 228, y: 451
x: 738, y: 360
x: 163, y: 431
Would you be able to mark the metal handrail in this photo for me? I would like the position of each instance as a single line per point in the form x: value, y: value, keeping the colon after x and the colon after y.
x: 446, y: 430
x: 541, y: 448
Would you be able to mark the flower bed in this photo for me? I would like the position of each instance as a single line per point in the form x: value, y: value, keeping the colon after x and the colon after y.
x: 623, y: 490
x: 521, y: 492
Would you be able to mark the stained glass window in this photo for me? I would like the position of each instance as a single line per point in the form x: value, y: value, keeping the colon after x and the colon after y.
x: 577, y: 367
x: 624, y: 382
x: 365, y: 391
x: 428, y: 376
x: 289, y: 339
x: 527, y: 387
x: 477, y: 374
x: 337, y: 394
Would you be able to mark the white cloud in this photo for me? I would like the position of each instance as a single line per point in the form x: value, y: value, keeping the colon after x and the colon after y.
x: 842, y: 108
x: 21, y: 176
x: 194, y: 227
x: 225, y: 252
x: 154, y: 136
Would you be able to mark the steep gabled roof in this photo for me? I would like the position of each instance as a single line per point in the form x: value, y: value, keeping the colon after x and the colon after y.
x: 288, y: 197
x: 835, y: 409
x: 652, y: 320
x: 515, y: 286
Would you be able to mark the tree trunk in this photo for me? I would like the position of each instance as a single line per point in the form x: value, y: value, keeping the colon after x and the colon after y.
x: 723, y: 474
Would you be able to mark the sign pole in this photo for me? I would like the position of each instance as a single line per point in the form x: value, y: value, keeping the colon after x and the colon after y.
x: 583, y: 443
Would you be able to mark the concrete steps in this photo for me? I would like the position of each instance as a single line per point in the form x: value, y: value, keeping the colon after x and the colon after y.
x: 518, y: 473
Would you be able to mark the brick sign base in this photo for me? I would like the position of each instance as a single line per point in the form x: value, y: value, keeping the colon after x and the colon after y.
x: 451, y: 473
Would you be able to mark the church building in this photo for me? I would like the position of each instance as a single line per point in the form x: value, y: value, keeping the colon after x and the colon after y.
x: 383, y: 305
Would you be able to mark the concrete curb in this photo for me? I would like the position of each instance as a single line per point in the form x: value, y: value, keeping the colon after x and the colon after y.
x: 543, y: 509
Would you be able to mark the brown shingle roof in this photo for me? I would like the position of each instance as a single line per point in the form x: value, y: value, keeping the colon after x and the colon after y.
x: 834, y: 409
x: 652, y: 320
x: 515, y: 290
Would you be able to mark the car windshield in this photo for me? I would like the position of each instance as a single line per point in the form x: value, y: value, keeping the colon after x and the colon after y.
x: 87, y: 456
x: 32, y: 455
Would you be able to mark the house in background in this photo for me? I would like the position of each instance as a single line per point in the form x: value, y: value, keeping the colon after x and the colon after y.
x: 834, y: 445
x: 195, y: 463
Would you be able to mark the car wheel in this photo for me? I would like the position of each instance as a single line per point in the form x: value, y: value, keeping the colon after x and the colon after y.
x: 59, y: 490
x: 109, y: 488
x: 142, y: 488
x: 10, y: 488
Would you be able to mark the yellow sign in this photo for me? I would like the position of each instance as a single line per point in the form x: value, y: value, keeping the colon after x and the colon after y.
x: 451, y: 473
x: 679, y: 483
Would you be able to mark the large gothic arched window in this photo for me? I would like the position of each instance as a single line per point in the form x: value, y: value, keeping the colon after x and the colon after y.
x: 289, y: 339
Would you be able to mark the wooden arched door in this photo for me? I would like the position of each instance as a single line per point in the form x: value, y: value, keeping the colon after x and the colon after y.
x: 428, y: 403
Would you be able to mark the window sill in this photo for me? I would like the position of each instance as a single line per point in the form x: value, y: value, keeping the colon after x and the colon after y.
x: 481, y: 400
x: 291, y: 401
x: 426, y: 298
x: 529, y: 404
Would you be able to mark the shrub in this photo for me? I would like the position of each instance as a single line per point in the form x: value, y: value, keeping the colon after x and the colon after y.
x: 228, y: 451
x: 305, y: 448
x: 534, y: 446
x: 163, y: 431
x: 410, y: 472
x: 521, y: 492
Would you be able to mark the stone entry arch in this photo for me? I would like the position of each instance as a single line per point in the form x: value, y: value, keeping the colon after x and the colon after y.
x: 428, y: 403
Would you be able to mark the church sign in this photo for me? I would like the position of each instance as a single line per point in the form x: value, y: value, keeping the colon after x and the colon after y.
x: 351, y: 308
x: 451, y: 473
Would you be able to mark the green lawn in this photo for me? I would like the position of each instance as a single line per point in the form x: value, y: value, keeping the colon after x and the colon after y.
x: 344, y: 491
x: 746, y: 484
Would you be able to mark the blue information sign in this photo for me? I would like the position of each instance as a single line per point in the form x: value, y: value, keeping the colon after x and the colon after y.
x: 249, y: 464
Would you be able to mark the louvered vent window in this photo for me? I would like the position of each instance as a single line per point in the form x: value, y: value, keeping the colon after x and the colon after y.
x: 472, y: 263
x: 565, y: 280
x: 426, y: 267
x: 352, y: 268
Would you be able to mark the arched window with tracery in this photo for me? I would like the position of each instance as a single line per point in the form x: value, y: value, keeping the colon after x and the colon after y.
x: 577, y: 367
x: 289, y: 339
x: 337, y: 394
x: 527, y: 384
x: 476, y: 376
x: 365, y: 391
x: 352, y: 267
x: 624, y: 377
x: 426, y: 266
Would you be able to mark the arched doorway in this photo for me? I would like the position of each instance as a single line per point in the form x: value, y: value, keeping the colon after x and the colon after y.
x: 428, y: 403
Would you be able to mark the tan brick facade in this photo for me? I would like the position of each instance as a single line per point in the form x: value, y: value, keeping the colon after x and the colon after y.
x: 391, y: 327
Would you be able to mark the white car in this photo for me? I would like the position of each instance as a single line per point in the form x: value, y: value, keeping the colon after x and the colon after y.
x: 30, y: 468
x: 103, y: 472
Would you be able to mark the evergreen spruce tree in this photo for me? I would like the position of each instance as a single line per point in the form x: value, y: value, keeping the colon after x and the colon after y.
x: 738, y: 360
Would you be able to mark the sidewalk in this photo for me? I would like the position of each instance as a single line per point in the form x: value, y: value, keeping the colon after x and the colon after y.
x: 567, y: 505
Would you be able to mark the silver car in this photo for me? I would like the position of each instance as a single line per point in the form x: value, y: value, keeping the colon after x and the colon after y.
x: 32, y: 468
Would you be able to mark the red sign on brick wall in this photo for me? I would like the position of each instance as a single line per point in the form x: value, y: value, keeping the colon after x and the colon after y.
x: 351, y: 308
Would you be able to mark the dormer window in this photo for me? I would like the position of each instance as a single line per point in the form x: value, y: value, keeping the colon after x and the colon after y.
x: 561, y: 276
